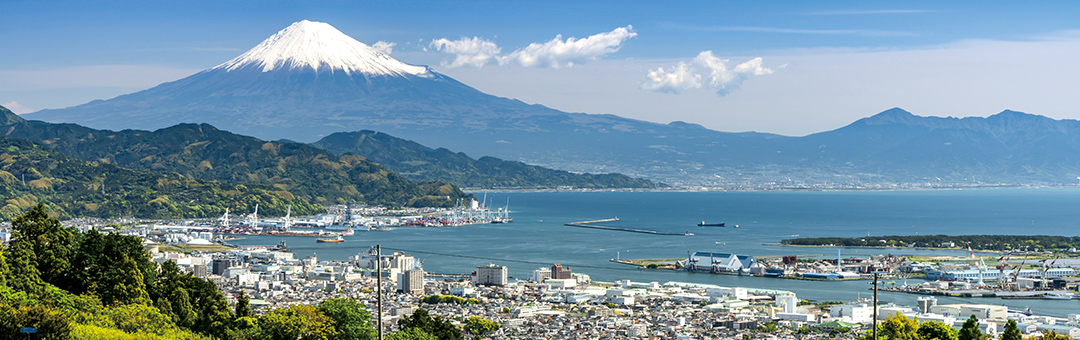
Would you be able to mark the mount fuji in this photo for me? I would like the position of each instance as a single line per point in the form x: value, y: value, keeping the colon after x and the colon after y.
x: 309, y: 81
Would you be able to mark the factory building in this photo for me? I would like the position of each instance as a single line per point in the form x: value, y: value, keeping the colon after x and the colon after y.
x: 716, y: 262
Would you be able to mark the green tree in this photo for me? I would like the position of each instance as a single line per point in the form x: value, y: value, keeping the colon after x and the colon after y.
x: 134, y: 318
x: 116, y: 268
x: 51, y: 324
x: 297, y: 322
x: 476, y: 325
x: 970, y: 330
x: 24, y: 275
x: 436, y: 326
x: 936, y: 330
x: 411, y: 334
x: 768, y: 327
x: 3, y: 267
x: 244, y: 328
x: 243, y: 309
x: 1053, y: 336
x: 899, y: 327
x: 51, y: 244
x: 351, y: 320
x: 214, y: 316
x: 1011, y: 331
x: 170, y: 294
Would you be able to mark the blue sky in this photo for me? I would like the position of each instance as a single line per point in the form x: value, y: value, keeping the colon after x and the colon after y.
x: 788, y: 67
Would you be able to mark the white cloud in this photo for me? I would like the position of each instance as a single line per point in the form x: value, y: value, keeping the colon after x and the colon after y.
x: 558, y: 52
x: 384, y: 47
x: 474, y: 51
x: 674, y: 80
x: 15, y: 107
x: 719, y: 77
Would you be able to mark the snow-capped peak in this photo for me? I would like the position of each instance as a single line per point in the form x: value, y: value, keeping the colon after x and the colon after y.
x: 319, y: 46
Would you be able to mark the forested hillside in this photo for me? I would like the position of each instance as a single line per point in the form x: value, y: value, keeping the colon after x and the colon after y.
x: 31, y: 173
x: 206, y: 153
x: 421, y: 163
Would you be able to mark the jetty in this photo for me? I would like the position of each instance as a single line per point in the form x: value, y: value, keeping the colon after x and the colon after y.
x: 592, y: 224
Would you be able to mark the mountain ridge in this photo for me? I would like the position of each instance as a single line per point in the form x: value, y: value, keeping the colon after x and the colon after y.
x: 421, y: 163
x: 76, y: 188
x: 204, y: 152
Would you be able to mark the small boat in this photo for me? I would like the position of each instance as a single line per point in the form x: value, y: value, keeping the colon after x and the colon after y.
x: 1057, y: 297
x: 347, y: 232
x: 281, y: 247
x: 330, y: 240
x: 703, y: 224
x: 736, y: 226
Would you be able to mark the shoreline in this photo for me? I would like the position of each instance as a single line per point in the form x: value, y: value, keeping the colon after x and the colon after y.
x: 782, y: 189
x: 870, y: 247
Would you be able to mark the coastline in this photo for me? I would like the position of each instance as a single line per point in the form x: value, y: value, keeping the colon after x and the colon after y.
x: 782, y: 189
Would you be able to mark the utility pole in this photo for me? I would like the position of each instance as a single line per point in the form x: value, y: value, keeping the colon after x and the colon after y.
x: 875, y: 307
x: 378, y: 286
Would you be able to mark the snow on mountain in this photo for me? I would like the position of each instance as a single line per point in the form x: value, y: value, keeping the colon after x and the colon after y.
x: 317, y: 45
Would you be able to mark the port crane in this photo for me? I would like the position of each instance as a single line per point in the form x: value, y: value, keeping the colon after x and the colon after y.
x: 1003, y: 263
x: 978, y: 263
x: 224, y: 219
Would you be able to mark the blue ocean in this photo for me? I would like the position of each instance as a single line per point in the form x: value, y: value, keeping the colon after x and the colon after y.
x: 538, y: 236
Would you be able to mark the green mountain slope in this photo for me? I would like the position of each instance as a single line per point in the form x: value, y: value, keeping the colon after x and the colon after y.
x: 418, y: 162
x: 32, y: 173
x: 206, y: 153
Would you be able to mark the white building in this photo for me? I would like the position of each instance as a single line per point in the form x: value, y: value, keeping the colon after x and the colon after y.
x: 859, y: 313
x: 738, y: 293
x: 788, y: 302
x: 490, y: 275
x: 411, y: 281
x: 541, y: 274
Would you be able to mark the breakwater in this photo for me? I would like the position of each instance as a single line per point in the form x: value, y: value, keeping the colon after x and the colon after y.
x: 590, y: 224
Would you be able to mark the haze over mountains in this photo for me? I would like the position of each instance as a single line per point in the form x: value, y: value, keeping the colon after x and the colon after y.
x: 310, y: 80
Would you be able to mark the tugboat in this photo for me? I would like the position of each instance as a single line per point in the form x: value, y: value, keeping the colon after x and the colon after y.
x: 281, y: 247
x: 703, y: 224
x: 330, y: 240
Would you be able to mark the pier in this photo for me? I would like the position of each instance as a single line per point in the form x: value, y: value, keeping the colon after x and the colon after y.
x: 590, y: 224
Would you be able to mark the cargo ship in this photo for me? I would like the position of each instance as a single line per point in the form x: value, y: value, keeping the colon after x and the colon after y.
x: 330, y: 240
x: 703, y: 224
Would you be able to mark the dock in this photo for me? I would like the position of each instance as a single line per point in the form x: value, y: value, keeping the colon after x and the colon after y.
x: 591, y: 224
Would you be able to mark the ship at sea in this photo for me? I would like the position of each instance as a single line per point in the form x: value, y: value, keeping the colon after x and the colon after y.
x: 330, y: 240
x: 703, y: 224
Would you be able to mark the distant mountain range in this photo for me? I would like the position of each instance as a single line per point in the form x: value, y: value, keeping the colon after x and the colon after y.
x: 310, y: 81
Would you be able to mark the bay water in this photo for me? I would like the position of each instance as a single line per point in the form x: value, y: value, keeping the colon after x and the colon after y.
x: 538, y: 236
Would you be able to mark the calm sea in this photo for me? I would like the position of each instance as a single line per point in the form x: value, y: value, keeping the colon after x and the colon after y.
x: 537, y: 237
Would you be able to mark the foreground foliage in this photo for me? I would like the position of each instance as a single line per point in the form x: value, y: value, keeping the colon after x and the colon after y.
x: 72, y: 285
